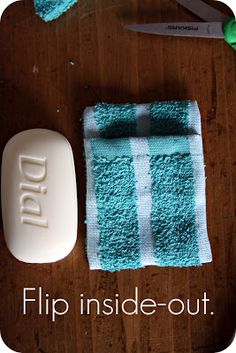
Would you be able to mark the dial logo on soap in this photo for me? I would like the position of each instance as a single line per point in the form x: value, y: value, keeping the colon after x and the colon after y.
x: 4, y: 4
x: 39, y: 197
x: 33, y: 171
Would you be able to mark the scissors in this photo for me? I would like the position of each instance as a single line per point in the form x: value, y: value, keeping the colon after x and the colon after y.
x: 217, y: 25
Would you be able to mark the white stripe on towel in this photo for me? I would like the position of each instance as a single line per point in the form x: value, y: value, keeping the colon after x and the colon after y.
x: 194, y: 118
x: 143, y: 120
x: 91, y: 212
x: 196, y: 151
x: 140, y: 152
x: 90, y: 125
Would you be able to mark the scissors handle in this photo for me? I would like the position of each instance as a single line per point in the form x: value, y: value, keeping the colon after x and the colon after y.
x: 230, y: 32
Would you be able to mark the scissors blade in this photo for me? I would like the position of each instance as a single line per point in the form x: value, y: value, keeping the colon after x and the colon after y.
x: 203, y: 10
x: 180, y: 29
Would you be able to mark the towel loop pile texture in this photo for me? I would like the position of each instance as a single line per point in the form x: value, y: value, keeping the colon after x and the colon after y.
x: 146, y: 200
x: 50, y: 10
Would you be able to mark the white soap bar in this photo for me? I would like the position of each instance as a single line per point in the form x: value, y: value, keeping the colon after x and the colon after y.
x: 39, y: 198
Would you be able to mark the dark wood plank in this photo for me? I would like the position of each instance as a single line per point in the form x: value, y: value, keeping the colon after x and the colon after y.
x: 48, y: 74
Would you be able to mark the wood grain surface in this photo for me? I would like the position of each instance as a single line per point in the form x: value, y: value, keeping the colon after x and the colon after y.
x: 48, y: 74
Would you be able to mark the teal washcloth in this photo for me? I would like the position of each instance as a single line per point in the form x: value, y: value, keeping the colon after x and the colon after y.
x: 145, y: 186
x: 49, y: 10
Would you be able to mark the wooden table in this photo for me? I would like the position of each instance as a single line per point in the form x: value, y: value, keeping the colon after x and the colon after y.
x: 48, y: 74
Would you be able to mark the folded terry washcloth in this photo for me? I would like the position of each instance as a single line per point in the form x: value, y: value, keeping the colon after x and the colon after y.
x: 145, y: 186
x: 49, y: 10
